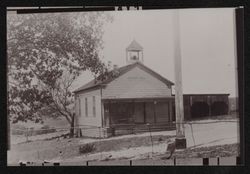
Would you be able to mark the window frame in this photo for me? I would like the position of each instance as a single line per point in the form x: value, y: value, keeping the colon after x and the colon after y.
x: 94, y: 106
x: 80, y: 107
x: 86, y: 107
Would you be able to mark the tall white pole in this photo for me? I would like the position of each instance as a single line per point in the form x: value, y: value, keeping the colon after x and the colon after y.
x: 179, y: 109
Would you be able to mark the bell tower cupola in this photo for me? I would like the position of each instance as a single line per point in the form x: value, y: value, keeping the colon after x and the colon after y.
x: 134, y: 53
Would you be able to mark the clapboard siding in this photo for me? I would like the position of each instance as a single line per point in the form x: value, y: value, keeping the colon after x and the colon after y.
x: 90, y: 119
x: 136, y: 83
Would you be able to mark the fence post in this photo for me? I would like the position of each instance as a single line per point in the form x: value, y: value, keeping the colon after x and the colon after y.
x: 205, y: 161
x: 100, y: 142
x: 130, y: 162
x: 174, y: 161
x: 218, y: 161
x: 238, y: 160
x: 150, y: 138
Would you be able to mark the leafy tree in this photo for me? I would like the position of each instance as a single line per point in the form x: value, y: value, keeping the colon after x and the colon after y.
x: 46, y: 52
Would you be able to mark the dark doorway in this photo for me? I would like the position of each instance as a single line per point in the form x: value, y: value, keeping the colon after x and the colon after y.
x: 199, y: 109
x: 173, y: 113
x: 162, y: 112
x: 121, y: 113
x: 139, y: 113
x: 219, y: 108
x: 150, y: 112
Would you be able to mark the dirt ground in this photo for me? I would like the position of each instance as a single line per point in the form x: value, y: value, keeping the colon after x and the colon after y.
x: 226, y: 150
x: 67, y: 148
x: 203, y: 140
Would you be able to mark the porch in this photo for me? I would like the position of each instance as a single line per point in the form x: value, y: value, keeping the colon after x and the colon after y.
x: 126, y: 116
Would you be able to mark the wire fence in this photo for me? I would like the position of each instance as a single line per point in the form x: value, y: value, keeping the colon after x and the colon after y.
x: 19, y: 135
x: 30, y: 134
x: 148, y: 129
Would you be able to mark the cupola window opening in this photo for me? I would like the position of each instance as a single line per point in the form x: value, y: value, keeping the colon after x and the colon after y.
x: 134, y: 53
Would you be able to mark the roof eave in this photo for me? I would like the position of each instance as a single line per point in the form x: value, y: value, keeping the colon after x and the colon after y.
x: 130, y: 49
x: 163, y: 79
x: 89, y: 88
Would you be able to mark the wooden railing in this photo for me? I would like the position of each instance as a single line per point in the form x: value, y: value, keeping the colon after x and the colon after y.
x: 119, y: 129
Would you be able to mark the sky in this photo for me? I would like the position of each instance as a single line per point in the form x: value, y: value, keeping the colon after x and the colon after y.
x: 207, y: 46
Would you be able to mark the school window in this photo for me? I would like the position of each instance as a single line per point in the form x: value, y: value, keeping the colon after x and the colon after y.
x: 86, y: 107
x: 80, y: 106
x: 94, y: 110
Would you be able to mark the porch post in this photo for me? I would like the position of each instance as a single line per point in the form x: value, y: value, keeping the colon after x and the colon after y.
x: 106, y: 118
x: 144, y: 112
x: 102, y: 114
x: 170, y: 111
x: 209, y: 105
x: 155, y: 102
x: 106, y: 115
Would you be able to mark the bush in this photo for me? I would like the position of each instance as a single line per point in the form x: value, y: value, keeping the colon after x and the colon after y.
x: 87, y: 148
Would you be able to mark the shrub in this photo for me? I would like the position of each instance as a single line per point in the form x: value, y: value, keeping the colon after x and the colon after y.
x: 87, y: 148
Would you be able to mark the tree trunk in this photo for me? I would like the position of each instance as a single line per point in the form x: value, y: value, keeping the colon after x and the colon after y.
x: 72, y: 126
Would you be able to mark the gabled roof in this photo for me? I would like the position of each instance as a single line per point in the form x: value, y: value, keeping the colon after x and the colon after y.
x: 120, y: 71
x: 134, y: 46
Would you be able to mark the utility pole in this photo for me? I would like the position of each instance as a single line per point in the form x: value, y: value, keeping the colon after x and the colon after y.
x: 179, y: 109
